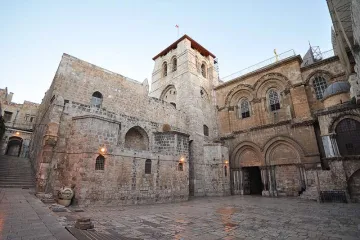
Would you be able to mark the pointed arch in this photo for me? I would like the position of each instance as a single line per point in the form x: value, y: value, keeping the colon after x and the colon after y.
x: 246, y: 154
x: 241, y: 90
x: 271, y: 80
x: 136, y: 138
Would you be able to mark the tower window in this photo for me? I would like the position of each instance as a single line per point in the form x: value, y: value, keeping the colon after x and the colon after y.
x: 320, y: 85
x: 100, y: 163
x: 164, y: 69
x: 148, y: 166
x: 206, y: 130
x: 96, y: 99
x: 203, y: 70
x: 274, y: 101
x: 244, y: 109
x: 174, y: 64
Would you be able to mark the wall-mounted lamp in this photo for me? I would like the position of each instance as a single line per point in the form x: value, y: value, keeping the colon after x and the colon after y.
x: 182, y: 159
x: 17, y: 133
x: 103, y: 150
x: 226, y: 161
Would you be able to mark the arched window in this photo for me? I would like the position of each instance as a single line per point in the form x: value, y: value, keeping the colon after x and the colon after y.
x: 244, y: 109
x: 320, y: 85
x: 274, y: 102
x: 164, y: 69
x: 174, y: 64
x: 180, y: 166
x: 206, y: 130
x: 203, y: 70
x: 348, y: 137
x: 225, y: 170
x: 96, y: 99
x: 148, y: 166
x: 100, y: 163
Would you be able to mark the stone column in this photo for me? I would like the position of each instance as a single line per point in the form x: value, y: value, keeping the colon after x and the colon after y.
x: 241, y: 181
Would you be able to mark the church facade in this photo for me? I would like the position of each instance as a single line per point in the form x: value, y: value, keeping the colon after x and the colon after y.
x: 289, y: 128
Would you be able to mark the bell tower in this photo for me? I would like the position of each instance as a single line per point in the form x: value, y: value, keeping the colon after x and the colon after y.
x: 184, y: 75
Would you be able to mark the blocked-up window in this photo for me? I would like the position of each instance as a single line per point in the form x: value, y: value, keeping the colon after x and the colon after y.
x: 274, y: 101
x: 148, y: 166
x: 7, y: 116
x: 100, y: 163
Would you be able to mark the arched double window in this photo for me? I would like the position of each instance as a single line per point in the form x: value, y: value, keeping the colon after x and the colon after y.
x: 319, y: 85
x: 244, y: 106
x: 348, y: 137
x: 96, y: 99
x: 274, y: 101
x: 164, y: 69
x: 148, y: 166
x: 100, y: 163
x: 174, y: 64
x: 203, y: 70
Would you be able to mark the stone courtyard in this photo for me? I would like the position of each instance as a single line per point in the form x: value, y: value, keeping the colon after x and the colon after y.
x: 231, y: 217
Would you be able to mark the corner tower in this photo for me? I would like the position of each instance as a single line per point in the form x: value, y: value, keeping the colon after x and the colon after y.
x: 184, y: 75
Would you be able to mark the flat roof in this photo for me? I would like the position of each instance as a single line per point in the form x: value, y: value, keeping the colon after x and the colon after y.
x: 194, y: 45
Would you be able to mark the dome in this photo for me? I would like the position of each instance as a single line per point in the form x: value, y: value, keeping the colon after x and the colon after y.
x: 336, y: 88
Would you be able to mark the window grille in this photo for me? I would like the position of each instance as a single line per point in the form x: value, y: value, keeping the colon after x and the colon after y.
x: 96, y: 99
x: 174, y: 64
x: 180, y: 167
x: 206, y: 130
x: 164, y: 69
x: 100, y: 163
x: 348, y: 137
x: 244, y: 109
x: 320, y: 85
x: 274, y: 101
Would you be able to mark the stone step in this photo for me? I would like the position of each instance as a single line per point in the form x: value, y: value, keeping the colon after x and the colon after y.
x: 17, y: 186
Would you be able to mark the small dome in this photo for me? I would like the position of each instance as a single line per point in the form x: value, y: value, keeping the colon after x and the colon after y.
x: 336, y: 88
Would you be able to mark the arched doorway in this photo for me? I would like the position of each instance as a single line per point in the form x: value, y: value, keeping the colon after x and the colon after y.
x: 14, y: 146
x: 245, y: 170
x: 354, y: 186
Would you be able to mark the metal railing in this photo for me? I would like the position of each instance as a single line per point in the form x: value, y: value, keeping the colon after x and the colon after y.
x: 275, y: 59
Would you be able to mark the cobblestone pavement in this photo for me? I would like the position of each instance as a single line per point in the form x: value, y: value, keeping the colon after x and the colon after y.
x: 233, y: 217
x: 23, y: 216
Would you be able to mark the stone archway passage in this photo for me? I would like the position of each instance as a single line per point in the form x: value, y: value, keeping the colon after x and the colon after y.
x: 14, y: 146
x: 354, y: 186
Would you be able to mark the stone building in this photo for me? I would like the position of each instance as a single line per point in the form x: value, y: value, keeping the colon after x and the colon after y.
x: 19, y: 120
x: 289, y: 126
x: 106, y: 136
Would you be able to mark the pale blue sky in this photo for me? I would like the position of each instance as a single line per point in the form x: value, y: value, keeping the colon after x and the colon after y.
x: 123, y: 36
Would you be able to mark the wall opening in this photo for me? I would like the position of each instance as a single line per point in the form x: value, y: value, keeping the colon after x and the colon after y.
x: 191, y: 169
x: 348, y: 137
x: 14, y: 146
x: 148, y: 166
x: 96, y: 99
x: 252, y: 181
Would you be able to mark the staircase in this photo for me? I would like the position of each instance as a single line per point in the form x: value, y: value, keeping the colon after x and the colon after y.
x: 16, y: 172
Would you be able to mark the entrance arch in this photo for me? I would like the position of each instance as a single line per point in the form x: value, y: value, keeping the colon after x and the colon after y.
x: 246, y: 177
x: 14, y: 146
